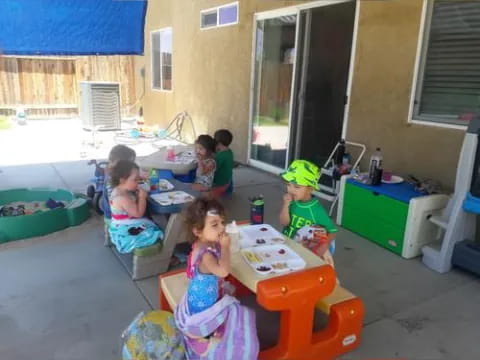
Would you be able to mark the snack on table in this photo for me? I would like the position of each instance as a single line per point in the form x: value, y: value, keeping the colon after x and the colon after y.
x: 312, y: 235
x: 264, y: 268
x: 188, y: 198
x: 252, y: 257
x: 163, y: 185
x: 258, y: 235
x: 266, y: 259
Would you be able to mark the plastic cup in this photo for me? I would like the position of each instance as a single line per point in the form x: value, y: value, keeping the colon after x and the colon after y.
x: 171, y: 154
x: 234, y: 234
x: 387, y: 176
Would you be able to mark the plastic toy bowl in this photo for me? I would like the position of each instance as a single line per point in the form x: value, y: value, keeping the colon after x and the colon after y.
x: 44, y: 222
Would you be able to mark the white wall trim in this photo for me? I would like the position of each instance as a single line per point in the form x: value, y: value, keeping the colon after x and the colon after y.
x: 351, y: 70
x: 418, y: 57
x: 293, y: 86
x: 252, y: 89
x: 438, y: 124
x: 217, y: 10
x: 421, y: 53
x: 151, y: 60
x: 236, y: 3
x: 291, y: 10
x: 208, y: 11
x: 156, y: 89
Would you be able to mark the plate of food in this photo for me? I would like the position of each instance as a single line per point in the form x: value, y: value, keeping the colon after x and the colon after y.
x: 269, y: 259
x: 394, y: 179
x: 165, y: 185
x: 259, y: 235
x: 172, y: 197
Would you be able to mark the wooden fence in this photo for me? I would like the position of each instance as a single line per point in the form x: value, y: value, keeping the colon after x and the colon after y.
x: 49, y: 87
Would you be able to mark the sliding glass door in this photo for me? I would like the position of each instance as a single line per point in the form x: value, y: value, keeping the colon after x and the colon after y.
x: 300, y: 83
x: 272, y: 93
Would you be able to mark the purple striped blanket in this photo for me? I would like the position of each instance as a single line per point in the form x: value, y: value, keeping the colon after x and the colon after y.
x: 227, y: 330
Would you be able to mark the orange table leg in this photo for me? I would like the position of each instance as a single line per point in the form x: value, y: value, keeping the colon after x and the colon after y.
x: 343, y: 331
x: 295, y: 295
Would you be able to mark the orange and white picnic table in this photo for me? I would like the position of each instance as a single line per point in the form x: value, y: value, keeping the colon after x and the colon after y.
x: 296, y: 295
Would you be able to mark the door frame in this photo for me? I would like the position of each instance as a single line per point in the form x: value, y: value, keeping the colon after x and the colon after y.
x: 271, y: 14
x: 299, y: 90
x: 295, y: 10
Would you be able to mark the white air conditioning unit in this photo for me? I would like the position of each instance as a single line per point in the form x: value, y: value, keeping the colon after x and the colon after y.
x: 100, y: 105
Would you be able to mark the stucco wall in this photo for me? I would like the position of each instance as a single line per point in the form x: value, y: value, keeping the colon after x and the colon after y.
x: 211, y: 68
x: 382, y: 83
x: 211, y: 80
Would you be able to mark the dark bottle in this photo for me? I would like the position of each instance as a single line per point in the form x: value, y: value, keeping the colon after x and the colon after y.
x: 338, y: 158
x: 375, y: 163
x: 377, y: 176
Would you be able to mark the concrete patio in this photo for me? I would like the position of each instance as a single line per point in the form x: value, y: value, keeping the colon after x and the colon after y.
x: 65, y: 296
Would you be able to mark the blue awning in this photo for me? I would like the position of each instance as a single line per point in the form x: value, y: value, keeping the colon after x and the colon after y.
x: 72, y: 27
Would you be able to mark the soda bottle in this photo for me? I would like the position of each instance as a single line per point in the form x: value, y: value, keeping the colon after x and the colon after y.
x: 375, y: 163
x: 377, y: 176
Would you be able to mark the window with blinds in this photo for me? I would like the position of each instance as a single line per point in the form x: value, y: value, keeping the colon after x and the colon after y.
x: 448, y: 88
x: 162, y: 59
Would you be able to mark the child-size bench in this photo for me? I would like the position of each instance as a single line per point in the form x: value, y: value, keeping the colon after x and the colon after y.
x: 344, y: 309
x: 155, y: 259
x: 171, y: 288
x: 173, y: 285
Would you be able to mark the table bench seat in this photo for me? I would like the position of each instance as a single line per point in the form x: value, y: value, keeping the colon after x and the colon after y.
x: 173, y: 285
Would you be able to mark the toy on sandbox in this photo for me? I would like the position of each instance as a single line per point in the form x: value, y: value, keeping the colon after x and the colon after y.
x: 26, y: 213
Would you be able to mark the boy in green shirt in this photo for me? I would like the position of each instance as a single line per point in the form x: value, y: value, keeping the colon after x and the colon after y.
x: 301, y: 210
x: 224, y: 161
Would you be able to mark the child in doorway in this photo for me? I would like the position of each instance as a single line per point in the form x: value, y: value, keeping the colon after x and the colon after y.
x: 204, y: 149
x: 128, y: 229
x: 224, y: 161
x: 214, y: 325
x: 302, y: 215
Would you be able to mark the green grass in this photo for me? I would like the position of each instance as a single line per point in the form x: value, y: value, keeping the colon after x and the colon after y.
x: 268, y: 121
x: 4, y: 123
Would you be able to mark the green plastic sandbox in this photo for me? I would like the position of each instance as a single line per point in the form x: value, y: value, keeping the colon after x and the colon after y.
x: 42, y: 223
